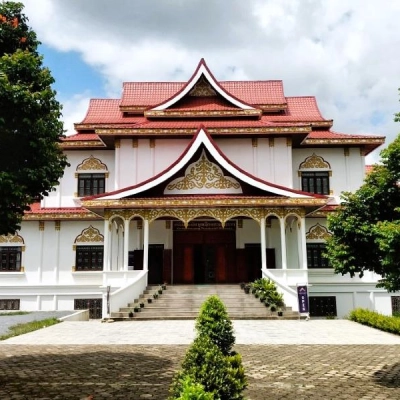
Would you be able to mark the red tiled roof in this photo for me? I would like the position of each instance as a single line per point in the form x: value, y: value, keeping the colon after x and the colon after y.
x: 106, y: 111
x: 336, y: 135
x: 251, y: 92
x: 81, y: 136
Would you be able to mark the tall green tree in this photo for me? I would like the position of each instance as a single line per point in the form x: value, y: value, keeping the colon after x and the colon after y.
x: 31, y: 161
x: 366, y: 228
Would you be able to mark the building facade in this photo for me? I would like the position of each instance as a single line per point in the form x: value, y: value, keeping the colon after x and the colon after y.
x: 196, y: 182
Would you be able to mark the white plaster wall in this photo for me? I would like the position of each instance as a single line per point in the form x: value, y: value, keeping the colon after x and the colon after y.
x: 63, y: 196
x: 239, y: 151
x: 283, y: 163
x: 167, y: 151
x: 158, y: 233
x: 127, y: 164
x: 347, y: 171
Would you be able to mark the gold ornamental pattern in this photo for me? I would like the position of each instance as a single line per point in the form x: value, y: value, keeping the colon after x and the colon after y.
x: 204, y: 175
x: 314, y: 161
x: 318, y: 232
x: 202, y: 89
x: 11, y: 239
x: 89, y: 235
x: 92, y: 164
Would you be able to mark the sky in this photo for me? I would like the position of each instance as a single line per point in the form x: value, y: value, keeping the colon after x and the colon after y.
x: 345, y: 53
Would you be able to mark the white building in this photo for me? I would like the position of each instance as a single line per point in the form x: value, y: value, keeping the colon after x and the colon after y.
x: 186, y: 182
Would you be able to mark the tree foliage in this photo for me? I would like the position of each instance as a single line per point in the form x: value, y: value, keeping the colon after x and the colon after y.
x: 31, y: 161
x: 366, y: 228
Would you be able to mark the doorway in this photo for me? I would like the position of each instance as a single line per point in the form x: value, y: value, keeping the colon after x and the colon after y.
x: 204, y: 257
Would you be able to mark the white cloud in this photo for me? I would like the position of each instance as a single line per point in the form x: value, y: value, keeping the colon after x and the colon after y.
x: 342, y: 52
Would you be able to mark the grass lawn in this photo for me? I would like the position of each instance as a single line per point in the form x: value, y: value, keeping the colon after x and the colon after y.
x: 21, y: 329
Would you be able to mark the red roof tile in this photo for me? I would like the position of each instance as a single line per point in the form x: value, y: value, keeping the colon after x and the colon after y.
x: 251, y: 92
x: 81, y: 136
x: 37, y: 209
x: 335, y: 135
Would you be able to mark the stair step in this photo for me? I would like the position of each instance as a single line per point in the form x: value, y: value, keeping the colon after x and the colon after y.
x: 184, y: 302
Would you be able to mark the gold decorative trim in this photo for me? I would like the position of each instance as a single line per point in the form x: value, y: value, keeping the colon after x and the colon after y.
x: 82, y: 144
x: 203, y: 174
x: 88, y: 215
x: 73, y: 268
x: 74, y: 247
x: 23, y: 248
x: 346, y: 151
x: 202, y: 89
x: 41, y: 225
x: 117, y: 143
x: 330, y: 174
x: 354, y: 141
x: 22, y: 269
x: 152, y: 143
x: 135, y: 143
x: 318, y: 232
x: 91, y: 164
x: 271, y: 142
x: 89, y: 234
x: 75, y: 194
x: 254, y: 142
x: 191, y: 131
x: 331, y: 192
x: 167, y: 224
x: 57, y: 225
x: 197, y: 113
x: 11, y: 238
x: 289, y: 142
x: 314, y: 161
x: 200, y: 202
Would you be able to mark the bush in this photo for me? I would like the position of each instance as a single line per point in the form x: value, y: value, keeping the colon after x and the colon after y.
x: 213, y: 321
x: 266, y: 289
x: 376, y: 320
x: 205, y: 364
x: 193, y: 391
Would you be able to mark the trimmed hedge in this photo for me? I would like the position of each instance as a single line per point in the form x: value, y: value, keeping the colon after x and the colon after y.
x: 376, y: 320
x: 193, y: 391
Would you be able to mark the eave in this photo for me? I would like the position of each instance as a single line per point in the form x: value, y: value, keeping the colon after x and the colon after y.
x: 202, y: 114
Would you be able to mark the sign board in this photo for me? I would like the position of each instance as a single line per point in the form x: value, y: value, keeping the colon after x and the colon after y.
x: 302, y: 296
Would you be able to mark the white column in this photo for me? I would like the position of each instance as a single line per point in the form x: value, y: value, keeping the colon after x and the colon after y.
x: 57, y: 261
x: 106, y: 251
x: 126, y: 244
x: 41, y: 247
x: 117, y: 157
x: 283, y: 242
x: 303, y: 242
x: 146, y: 245
x: 263, y: 245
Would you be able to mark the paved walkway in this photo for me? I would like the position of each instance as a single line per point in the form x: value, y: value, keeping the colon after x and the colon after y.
x: 292, y: 360
x: 182, y: 332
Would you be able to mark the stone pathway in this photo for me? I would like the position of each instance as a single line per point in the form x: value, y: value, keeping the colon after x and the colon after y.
x: 297, y: 360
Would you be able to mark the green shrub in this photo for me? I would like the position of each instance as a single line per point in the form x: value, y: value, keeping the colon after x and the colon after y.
x: 265, y: 288
x: 213, y: 321
x: 193, y: 391
x: 205, y: 364
x: 376, y: 320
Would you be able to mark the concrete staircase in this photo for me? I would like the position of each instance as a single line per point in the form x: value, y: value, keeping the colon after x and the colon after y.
x: 184, y: 301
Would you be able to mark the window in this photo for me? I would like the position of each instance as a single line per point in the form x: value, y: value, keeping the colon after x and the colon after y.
x: 322, y: 306
x: 10, y: 258
x: 315, y: 258
x: 94, y: 306
x: 315, y: 182
x: 91, y: 184
x: 9, y: 304
x: 89, y: 258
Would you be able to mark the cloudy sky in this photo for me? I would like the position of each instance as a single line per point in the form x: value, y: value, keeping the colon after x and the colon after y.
x: 343, y: 52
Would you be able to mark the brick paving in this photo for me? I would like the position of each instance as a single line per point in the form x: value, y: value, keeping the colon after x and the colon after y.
x: 340, y: 372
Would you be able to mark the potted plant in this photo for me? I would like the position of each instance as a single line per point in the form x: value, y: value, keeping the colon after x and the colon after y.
x: 160, y: 290
x: 272, y: 307
x: 155, y: 295
x: 242, y: 285
x: 131, y: 314
x: 136, y: 308
x: 280, y: 312
x: 164, y: 286
x: 247, y: 289
x: 141, y: 304
x: 149, y: 300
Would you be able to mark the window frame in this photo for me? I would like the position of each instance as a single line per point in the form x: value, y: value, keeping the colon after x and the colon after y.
x: 90, y: 266
x: 322, y: 262
x: 313, y: 177
x: 8, y: 252
x: 92, y: 179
